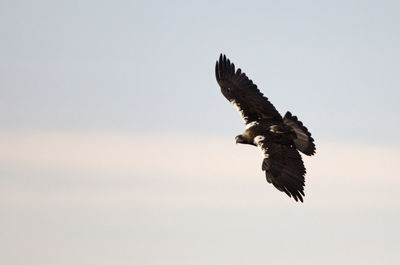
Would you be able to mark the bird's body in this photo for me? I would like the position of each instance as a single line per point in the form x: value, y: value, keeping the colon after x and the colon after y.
x: 279, y: 139
x: 269, y: 130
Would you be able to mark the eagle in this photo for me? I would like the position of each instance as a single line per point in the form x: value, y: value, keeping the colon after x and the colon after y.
x: 279, y: 139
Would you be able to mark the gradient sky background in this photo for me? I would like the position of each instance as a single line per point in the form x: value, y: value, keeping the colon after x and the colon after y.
x: 116, y: 146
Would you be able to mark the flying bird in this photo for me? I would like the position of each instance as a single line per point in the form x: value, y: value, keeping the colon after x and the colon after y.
x: 279, y: 139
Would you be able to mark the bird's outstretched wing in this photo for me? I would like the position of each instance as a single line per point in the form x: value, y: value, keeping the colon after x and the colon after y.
x: 243, y: 94
x: 283, y: 167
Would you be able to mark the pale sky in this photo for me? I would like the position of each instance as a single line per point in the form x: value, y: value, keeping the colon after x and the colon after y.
x: 117, y: 147
x: 149, y: 66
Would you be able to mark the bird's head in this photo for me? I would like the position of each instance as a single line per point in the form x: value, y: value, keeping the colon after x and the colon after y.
x: 240, y: 139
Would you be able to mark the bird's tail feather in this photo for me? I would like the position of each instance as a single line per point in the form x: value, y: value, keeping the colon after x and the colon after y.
x: 303, y: 142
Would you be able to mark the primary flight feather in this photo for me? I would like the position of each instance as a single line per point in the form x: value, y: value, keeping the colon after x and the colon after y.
x: 279, y: 139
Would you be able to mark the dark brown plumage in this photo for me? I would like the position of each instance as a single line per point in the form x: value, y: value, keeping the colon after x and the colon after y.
x: 279, y: 139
